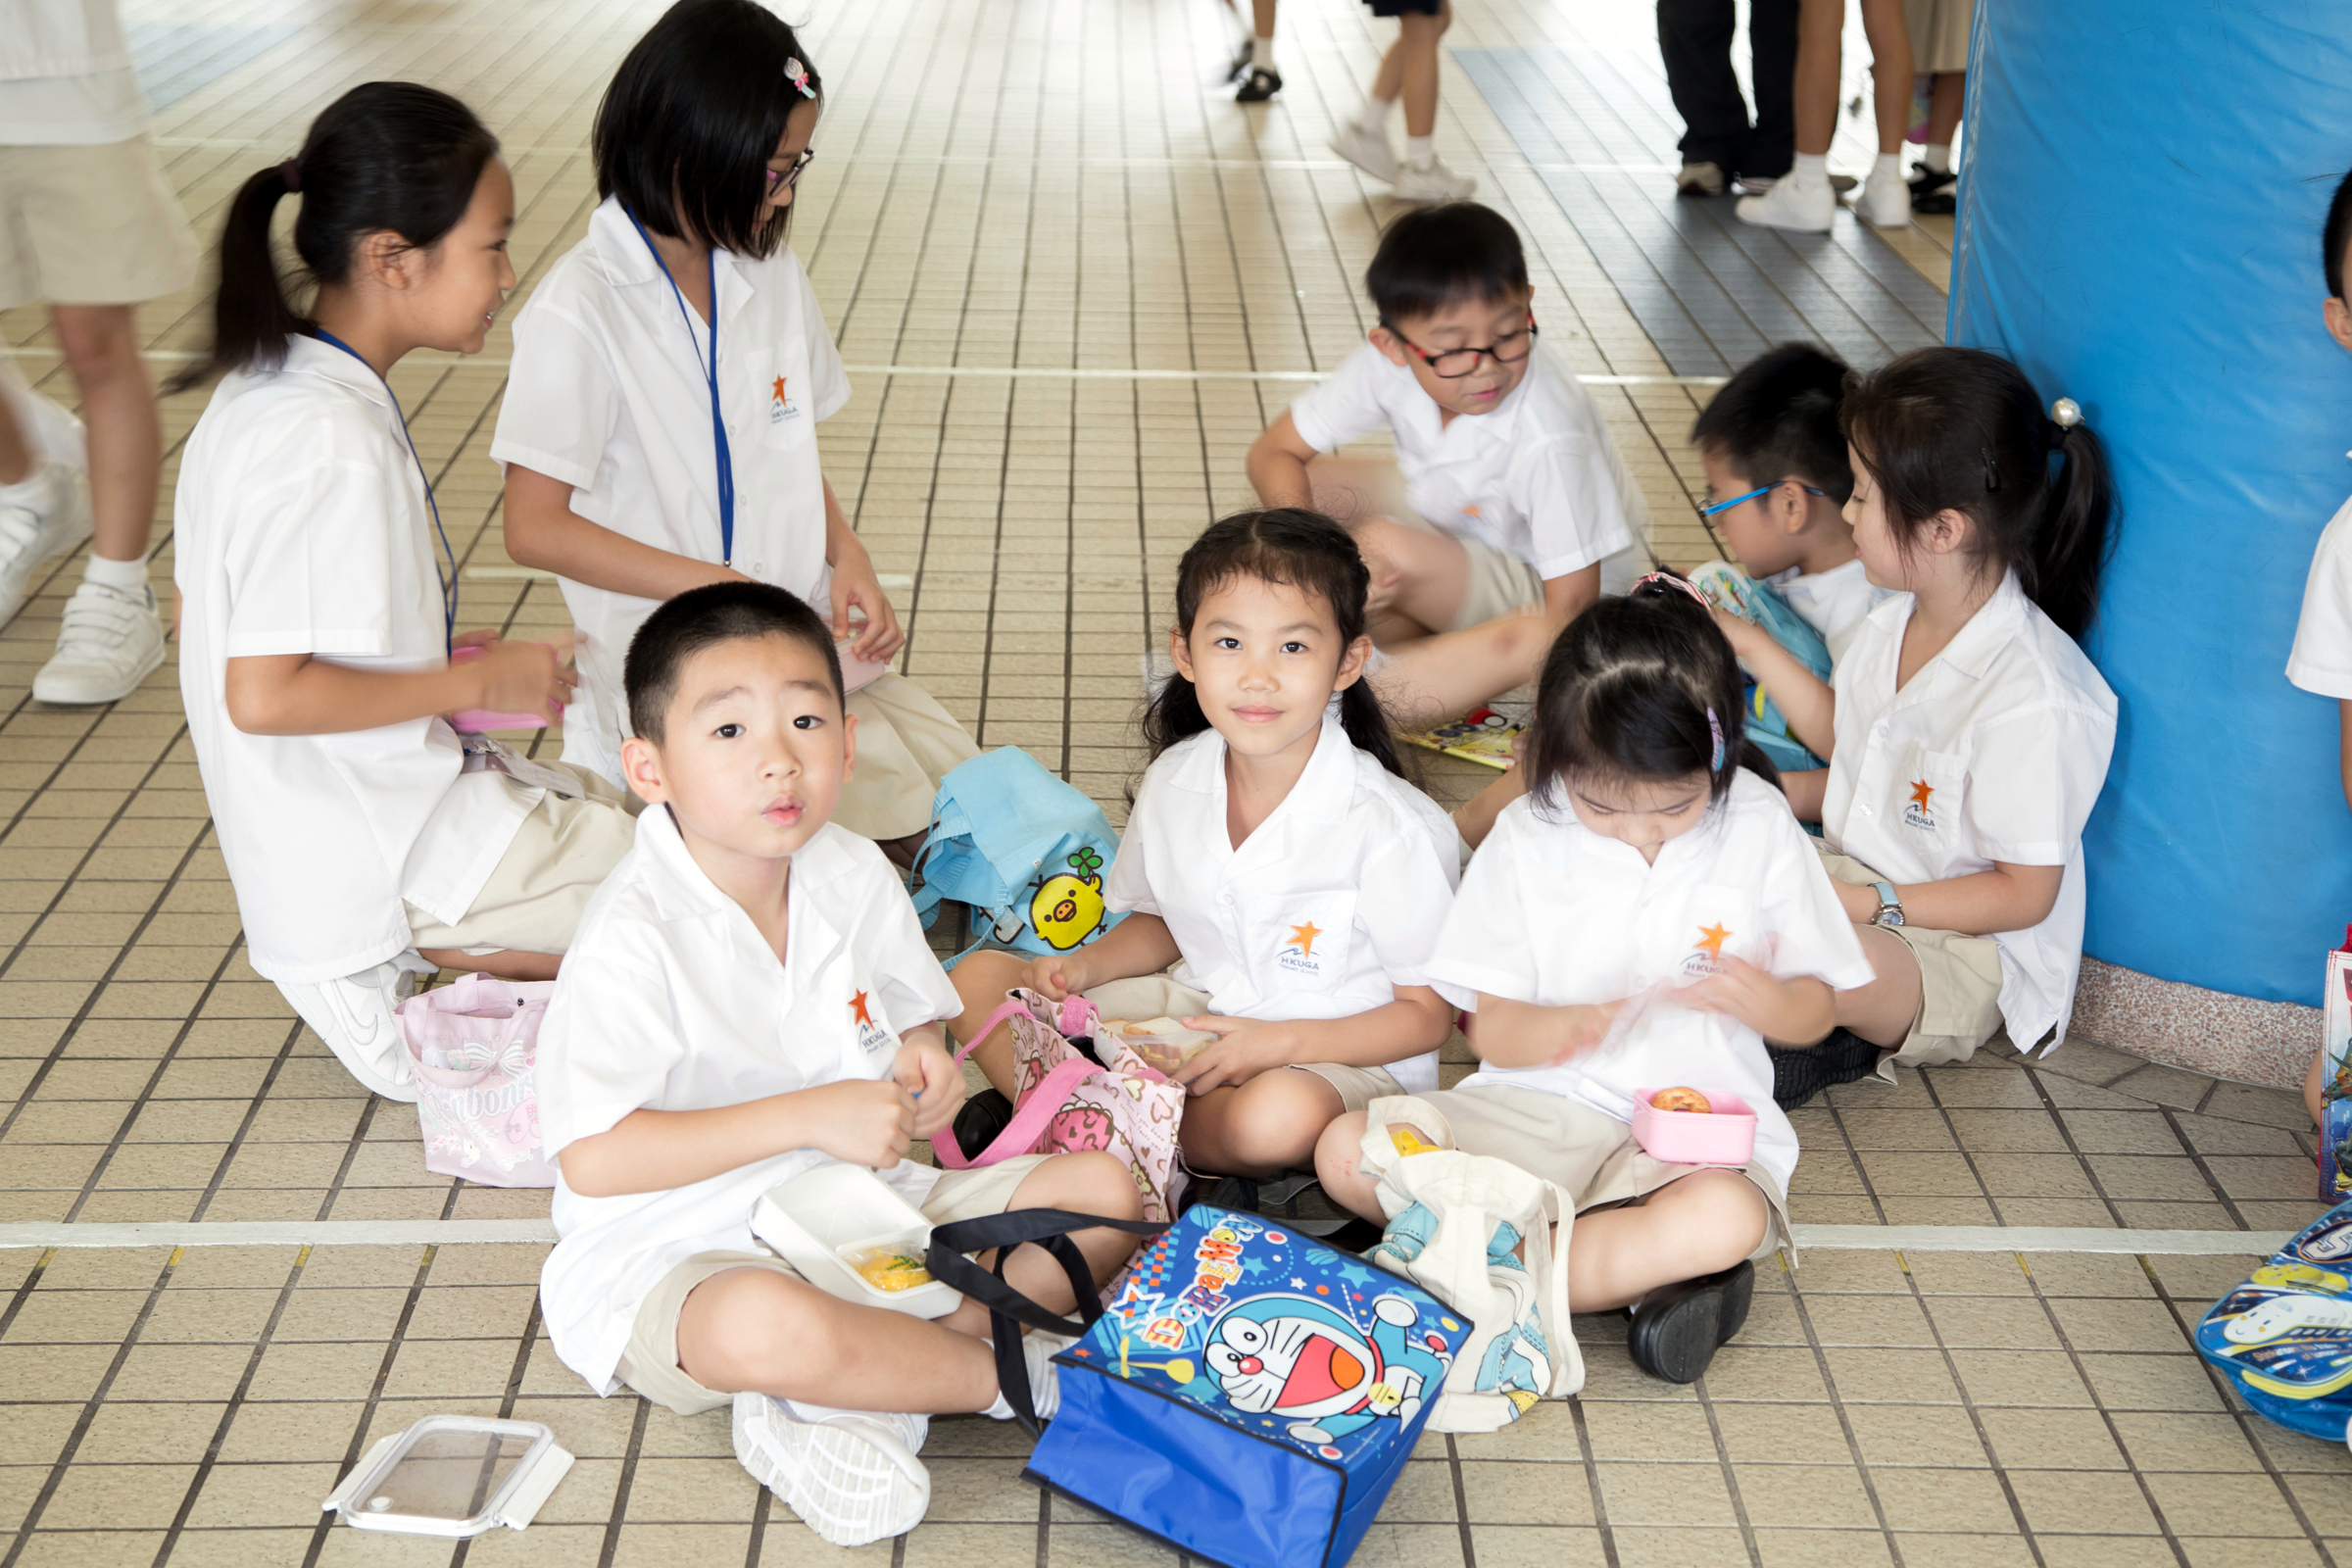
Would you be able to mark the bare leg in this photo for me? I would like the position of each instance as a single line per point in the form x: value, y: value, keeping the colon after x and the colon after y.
x: 1884, y: 1011
x: 1890, y: 70
x: 1419, y: 576
x: 1262, y: 12
x: 1417, y: 69
x: 16, y: 449
x: 981, y: 981
x: 1433, y: 679
x: 1820, y: 41
x: 1337, y: 1154
x: 1260, y: 1128
x: 100, y: 344
x: 1943, y: 110
x: 510, y: 964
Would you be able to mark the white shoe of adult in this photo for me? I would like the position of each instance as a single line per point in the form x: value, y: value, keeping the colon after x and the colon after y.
x: 1810, y: 209
x: 851, y: 1475
x: 1703, y: 178
x: 1367, y: 150
x: 1885, y: 200
x: 48, y: 511
x: 1435, y: 184
x: 353, y: 1016
x: 107, y: 643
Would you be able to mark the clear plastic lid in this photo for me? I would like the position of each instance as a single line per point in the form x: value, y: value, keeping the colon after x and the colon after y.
x: 453, y: 1475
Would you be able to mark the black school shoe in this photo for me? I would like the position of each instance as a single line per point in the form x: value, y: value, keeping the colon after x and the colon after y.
x: 1799, y: 1074
x: 1239, y: 66
x: 1678, y: 1328
x: 983, y: 1116
x: 1261, y: 85
x: 1934, y: 191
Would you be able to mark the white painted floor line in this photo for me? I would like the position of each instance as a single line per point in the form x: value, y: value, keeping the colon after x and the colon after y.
x: 460, y: 1232
x: 1040, y: 373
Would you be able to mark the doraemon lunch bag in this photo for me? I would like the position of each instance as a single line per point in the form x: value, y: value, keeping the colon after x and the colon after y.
x: 1022, y: 849
x: 2285, y: 1337
x: 1251, y: 1395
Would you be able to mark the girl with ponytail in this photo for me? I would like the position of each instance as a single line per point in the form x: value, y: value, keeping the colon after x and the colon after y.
x: 1970, y: 735
x: 365, y: 843
x: 1275, y: 855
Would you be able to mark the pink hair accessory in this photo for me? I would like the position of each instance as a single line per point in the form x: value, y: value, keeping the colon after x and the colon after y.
x: 797, y: 75
x: 1668, y: 579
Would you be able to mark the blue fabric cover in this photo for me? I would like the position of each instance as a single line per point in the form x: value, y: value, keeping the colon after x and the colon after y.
x: 1024, y: 850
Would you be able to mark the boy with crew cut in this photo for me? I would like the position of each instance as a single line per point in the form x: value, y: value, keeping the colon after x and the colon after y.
x: 750, y: 996
x: 1514, y: 493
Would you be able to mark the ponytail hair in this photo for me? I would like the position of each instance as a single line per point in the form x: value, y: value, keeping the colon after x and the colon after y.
x: 1963, y: 430
x: 387, y: 156
x: 1299, y: 548
x: 1643, y: 689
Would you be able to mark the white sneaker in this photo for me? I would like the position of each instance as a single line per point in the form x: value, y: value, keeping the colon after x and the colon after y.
x: 1702, y: 179
x: 1044, y: 1378
x: 52, y: 512
x: 354, y: 1016
x: 1367, y: 150
x: 1885, y: 201
x: 1789, y: 205
x: 108, y: 643
x: 851, y: 1475
x: 1435, y: 184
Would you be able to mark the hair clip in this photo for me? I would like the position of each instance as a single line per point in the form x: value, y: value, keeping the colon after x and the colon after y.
x: 1715, y: 728
x: 1659, y: 581
x: 2065, y: 414
x: 797, y: 75
x: 1993, y: 473
x: 291, y: 172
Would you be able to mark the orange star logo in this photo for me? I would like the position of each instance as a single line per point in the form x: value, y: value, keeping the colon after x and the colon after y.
x: 1303, y: 937
x: 1469, y: 512
x: 1921, y: 788
x: 1711, y: 938
x: 780, y: 397
x: 858, y: 1010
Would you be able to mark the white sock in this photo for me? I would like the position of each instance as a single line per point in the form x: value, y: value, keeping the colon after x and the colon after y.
x: 1939, y: 157
x: 1889, y: 165
x: 1373, y: 119
x: 1421, y: 152
x: 1261, y: 55
x: 1810, y: 169
x: 123, y: 576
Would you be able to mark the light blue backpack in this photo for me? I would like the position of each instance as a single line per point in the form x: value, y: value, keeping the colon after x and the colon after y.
x: 1023, y: 848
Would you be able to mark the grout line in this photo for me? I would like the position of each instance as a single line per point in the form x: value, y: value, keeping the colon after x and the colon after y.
x: 1846, y: 1424
x: 252, y: 1112
x: 1731, y: 1476
x: 1600, y: 1501
x: 1976, y: 1417
x: 393, y: 1346
x: 351, y: 1153
x: 2172, y: 1120
x: 2026, y: 1066
x: 506, y: 1412
x: 1461, y: 1502
x: 628, y: 1479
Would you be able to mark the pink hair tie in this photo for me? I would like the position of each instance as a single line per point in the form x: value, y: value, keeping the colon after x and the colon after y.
x: 1660, y: 580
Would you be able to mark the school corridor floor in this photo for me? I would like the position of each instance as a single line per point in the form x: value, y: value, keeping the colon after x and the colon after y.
x: 1072, y: 279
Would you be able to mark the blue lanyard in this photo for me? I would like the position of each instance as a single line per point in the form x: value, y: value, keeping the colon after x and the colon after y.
x: 449, y: 584
x: 718, y: 426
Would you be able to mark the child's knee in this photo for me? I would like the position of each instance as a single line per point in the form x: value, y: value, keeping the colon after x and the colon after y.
x: 751, y: 1329
x: 1276, y: 1119
x: 1090, y: 1182
x: 982, y: 979
x: 1339, y: 1149
x: 1727, y: 1217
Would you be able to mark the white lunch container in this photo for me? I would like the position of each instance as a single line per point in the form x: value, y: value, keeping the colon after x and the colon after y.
x: 811, y: 1217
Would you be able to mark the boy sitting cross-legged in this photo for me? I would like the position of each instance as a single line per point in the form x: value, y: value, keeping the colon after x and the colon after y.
x: 749, y: 997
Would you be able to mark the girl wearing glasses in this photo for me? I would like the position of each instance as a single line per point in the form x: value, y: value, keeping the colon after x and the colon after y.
x: 658, y: 430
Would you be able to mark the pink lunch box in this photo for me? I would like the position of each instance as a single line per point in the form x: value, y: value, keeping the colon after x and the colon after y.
x: 1725, y: 1136
x: 479, y: 720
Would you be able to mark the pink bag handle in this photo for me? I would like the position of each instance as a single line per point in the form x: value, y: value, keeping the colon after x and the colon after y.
x: 1020, y: 1135
x: 1078, y: 1018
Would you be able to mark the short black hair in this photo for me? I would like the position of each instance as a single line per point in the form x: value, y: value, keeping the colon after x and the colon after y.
x: 1433, y: 257
x: 691, y: 119
x: 1776, y: 419
x: 2337, y: 235
x: 704, y: 617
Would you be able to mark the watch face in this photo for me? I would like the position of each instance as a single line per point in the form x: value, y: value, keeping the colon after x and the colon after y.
x: 1890, y: 916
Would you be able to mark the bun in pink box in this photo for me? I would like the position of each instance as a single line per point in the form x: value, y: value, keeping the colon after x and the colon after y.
x: 1725, y: 1136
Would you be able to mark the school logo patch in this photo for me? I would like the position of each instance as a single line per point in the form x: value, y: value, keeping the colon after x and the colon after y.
x: 780, y: 406
x: 1298, y: 955
x: 1705, y: 956
x: 871, y: 1036
x: 1919, y: 813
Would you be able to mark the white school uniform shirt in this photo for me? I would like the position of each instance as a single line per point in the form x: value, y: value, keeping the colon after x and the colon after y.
x: 1553, y: 914
x: 302, y: 527
x: 66, y: 75
x: 608, y: 393
x: 1834, y: 603
x: 1330, y: 906
x: 1995, y: 751
x: 671, y: 1000
x: 1537, y: 477
x: 2322, y: 659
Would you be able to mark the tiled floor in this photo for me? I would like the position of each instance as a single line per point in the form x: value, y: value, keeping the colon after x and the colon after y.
x: 1056, y: 187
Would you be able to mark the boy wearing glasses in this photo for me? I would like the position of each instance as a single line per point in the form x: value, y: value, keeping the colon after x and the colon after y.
x: 1514, y: 493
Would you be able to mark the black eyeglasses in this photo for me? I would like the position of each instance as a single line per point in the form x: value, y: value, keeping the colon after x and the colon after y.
x: 1451, y: 365
x: 801, y: 160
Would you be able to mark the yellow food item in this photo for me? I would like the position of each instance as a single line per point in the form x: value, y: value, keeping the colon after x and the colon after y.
x: 1408, y: 1141
x: 1689, y: 1099
x: 887, y: 1268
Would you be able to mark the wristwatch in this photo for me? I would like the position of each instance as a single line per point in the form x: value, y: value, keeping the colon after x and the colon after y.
x: 1890, y: 908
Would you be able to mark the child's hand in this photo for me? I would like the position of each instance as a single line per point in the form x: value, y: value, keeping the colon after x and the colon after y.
x: 1584, y: 1026
x: 855, y: 585
x: 483, y: 638
x: 524, y: 677
x: 930, y: 1076
x: 1245, y: 1047
x: 1741, y: 634
x: 863, y: 1122
x: 1059, y: 975
x: 1776, y: 1010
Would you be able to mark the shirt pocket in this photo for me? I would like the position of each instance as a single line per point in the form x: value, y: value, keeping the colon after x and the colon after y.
x: 1720, y: 921
x: 1933, y: 796
x: 1300, y: 941
x: 781, y: 418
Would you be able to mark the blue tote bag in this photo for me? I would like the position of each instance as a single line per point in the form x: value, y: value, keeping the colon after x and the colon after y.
x: 1250, y: 1396
x: 1024, y: 850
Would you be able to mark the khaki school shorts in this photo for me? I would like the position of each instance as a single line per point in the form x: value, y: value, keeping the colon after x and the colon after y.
x: 648, y: 1362
x: 1496, y: 585
x: 1590, y: 1156
x: 559, y: 857
x: 1959, y: 982
x: 906, y: 743
x: 90, y: 226
x: 1159, y: 995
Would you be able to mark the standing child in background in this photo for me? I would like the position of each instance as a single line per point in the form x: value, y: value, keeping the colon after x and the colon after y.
x: 1971, y: 734
x: 1408, y: 71
x: 1275, y: 855
x: 2320, y: 661
x: 315, y: 665
x: 1521, y: 495
x: 659, y: 429
x: 1646, y: 916
x: 752, y: 999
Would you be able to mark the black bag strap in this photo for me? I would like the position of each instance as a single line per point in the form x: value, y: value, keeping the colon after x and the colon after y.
x: 949, y: 1260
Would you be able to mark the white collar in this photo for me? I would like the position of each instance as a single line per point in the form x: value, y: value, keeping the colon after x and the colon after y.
x: 309, y: 356
x: 1324, y: 791
x: 681, y: 890
x: 627, y: 257
x: 1973, y: 646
